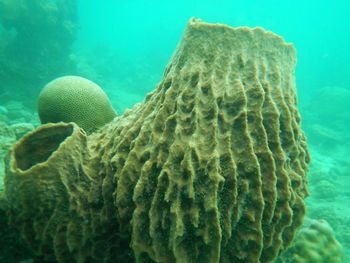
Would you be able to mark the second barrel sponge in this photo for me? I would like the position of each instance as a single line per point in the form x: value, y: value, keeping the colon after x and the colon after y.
x: 75, y: 99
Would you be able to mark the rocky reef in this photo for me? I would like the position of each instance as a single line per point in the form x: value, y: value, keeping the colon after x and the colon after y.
x: 314, y: 243
x: 35, y: 44
x: 210, y: 168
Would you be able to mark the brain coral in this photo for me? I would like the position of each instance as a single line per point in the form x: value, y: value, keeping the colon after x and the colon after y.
x: 314, y: 243
x: 210, y: 168
x: 75, y: 99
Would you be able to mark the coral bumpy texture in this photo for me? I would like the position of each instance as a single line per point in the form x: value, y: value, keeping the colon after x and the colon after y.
x: 75, y: 99
x: 210, y: 168
x: 314, y: 243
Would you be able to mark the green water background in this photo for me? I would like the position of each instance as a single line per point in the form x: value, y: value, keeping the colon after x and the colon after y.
x: 150, y: 30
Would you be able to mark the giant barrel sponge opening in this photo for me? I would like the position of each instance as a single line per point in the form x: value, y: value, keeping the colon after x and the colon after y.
x: 75, y: 99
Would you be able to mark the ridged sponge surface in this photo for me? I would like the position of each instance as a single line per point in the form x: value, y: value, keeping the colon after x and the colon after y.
x: 210, y: 168
x: 75, y: 99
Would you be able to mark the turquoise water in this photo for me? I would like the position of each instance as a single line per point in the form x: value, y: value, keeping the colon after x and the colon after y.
x: 125, y: 46
x: 320, y: 31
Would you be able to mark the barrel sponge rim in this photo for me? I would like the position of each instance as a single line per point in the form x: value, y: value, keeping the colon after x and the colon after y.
x: 49, y: 137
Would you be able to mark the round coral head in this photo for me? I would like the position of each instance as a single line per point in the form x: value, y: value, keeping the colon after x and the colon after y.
x: 75, y: 99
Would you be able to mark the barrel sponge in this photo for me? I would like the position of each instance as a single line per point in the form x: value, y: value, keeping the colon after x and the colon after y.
x: 209, y: 168
x: 314, y: 243
x: 75, y: 99
x: 11, y: 249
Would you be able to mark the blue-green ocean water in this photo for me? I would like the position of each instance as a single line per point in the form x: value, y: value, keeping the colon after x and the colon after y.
x: 124, y: 47
x: 151, y: 30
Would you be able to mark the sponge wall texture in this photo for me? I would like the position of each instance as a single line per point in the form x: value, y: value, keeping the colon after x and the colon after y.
x: 210, y: 168
x: 75, y: 99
